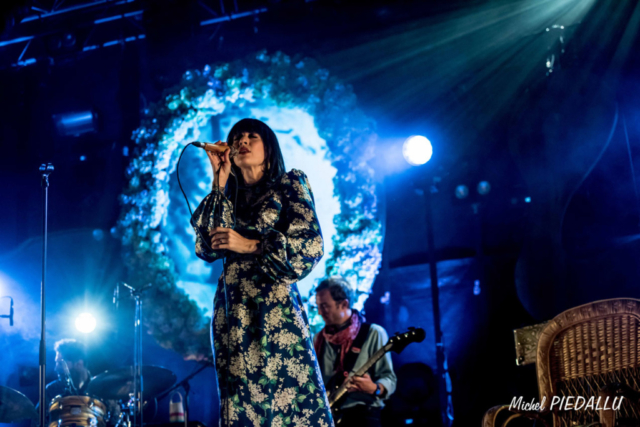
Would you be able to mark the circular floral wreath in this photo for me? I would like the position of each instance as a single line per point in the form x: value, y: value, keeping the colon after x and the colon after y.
x: 174, y: 320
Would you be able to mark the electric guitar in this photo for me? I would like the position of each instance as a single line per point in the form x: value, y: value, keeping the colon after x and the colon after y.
x: 338, y: 382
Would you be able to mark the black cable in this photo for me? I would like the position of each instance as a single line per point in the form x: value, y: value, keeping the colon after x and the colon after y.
x: 206, y: 242
x: 218, y: 207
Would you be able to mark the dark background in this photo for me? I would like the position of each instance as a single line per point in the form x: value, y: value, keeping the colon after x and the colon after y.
x: 471, y: 75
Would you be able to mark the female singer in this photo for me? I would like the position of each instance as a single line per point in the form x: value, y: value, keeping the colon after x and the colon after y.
x: 266, y: 230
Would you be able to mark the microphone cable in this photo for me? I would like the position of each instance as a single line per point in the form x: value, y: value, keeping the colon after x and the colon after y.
x: 217, y: 208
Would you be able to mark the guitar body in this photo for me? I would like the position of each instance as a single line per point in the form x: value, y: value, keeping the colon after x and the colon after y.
x: 336, y: 402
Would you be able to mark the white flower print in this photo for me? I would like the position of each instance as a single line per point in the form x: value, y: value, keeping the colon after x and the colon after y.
x: 256, y: 392
x: 297, y: 370
x: 282, y: 399
x: 274, y: 363
x: 284, y: 339
x: 237, y: 366
x: 274, y: 319
x: 240, y: 311
x: 279, y: 293
x: 253, y: 357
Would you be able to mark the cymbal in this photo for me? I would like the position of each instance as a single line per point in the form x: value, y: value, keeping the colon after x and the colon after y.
x: 117, y: 384
x: 15, y: 406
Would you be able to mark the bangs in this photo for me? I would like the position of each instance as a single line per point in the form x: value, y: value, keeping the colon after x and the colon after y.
x: 273, y: 161
x: 248, y: 126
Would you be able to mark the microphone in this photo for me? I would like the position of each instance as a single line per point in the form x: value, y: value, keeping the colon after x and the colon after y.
x: 218, y: 149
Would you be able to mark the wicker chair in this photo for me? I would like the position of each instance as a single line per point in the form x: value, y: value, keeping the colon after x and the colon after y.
x: 590, y: 351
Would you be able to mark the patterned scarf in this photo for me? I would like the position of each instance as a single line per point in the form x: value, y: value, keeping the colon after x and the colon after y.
x: 344, y: 338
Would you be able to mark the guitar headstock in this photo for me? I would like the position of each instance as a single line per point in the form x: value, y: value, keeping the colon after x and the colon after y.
x: 399, y: 341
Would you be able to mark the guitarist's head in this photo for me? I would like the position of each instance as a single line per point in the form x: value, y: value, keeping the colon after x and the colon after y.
x: 334, y: 296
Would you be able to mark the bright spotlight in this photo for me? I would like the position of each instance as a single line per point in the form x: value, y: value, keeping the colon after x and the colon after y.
x: 85, y: 323
x: 417, y: 150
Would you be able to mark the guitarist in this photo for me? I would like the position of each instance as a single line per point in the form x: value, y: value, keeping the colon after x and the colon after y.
x: 346, y: 344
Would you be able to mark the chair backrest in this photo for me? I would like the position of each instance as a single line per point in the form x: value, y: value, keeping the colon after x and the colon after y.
x: 585, y: 348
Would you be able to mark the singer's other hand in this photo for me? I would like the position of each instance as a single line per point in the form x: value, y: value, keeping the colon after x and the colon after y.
x: 226, y: 238
x: 221, y: 164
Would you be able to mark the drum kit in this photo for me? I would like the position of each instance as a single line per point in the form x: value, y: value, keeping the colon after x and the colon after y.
x: 109, y: 400
x: 117, y: 398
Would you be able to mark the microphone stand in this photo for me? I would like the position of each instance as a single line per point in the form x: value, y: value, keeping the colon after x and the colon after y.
x: 45, y: 170
x: 10, y: 315
x: 187, y: 387
x: 138, y: 384
x: 444, y: 382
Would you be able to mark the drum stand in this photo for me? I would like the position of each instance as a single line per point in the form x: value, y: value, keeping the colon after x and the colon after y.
x: 46, y: 170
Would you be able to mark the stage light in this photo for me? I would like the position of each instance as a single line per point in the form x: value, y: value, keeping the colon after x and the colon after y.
x: 417, y: 150
x: 85, y: 323
x: 527, y: 199
x: 76, y: 123
x: 484, y: 187
x: 462, y: 191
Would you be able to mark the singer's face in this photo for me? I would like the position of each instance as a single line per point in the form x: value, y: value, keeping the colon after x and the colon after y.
x: 250, y: 150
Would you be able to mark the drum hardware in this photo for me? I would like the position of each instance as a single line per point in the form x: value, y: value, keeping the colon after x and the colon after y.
x: 118, y: 385
x: 15, y: 406
x: 76, y: 411
x: 187, y: 387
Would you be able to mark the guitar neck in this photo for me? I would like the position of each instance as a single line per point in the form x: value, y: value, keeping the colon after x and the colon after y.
x: 342, y: 390
x: 397, y: 343
x: 372, y: 361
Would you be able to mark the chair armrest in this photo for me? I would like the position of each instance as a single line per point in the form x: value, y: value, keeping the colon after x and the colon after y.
x: 614, y: 390
x: 490, y: 417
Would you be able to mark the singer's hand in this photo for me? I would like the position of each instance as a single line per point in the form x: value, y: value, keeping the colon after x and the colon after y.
x: 221, y: 164
x: 226, y: 238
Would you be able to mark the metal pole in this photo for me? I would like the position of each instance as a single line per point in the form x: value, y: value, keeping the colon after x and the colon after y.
x: 45, y: 170
x: 187, y: 389
x: 435, y: 301
x: 137, y: 363
x: 140, y: 377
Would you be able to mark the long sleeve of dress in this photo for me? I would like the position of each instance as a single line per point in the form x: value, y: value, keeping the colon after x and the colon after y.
x: 290, y: 256
x: 215, y: 210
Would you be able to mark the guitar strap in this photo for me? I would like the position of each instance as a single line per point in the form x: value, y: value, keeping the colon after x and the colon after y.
x: 351, y: 357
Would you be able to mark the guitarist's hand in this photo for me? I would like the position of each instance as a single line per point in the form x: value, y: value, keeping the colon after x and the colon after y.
x: 363, y: 384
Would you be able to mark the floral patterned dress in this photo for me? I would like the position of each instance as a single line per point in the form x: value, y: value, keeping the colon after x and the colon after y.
x: 267, y: 369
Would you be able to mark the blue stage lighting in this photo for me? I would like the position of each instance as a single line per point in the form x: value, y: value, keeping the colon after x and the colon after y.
x: 417, y: 150
x: 85, y: 323
x: 484, y: 188
x: 76, y: 123
x: 462, y: 191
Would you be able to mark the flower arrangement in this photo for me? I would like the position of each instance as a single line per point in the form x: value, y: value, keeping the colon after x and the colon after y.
x: 176, y: 321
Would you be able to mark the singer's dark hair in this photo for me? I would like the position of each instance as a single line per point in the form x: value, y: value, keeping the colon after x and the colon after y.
x: 70, y: 349
x: 273, y: 161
